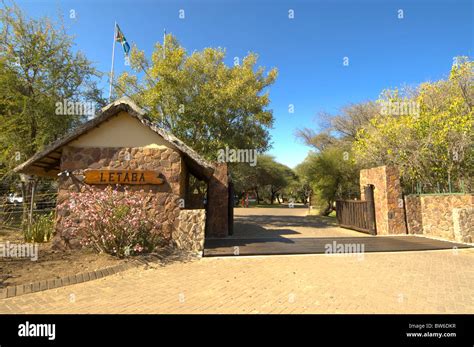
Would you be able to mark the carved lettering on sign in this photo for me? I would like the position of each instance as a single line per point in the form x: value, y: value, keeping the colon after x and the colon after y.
x: 122, y: 177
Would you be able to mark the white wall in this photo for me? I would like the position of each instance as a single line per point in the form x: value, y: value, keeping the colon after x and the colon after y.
x: 122, y: 130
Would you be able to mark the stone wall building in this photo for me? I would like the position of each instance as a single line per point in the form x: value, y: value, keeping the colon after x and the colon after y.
x: 388, y: 198
x: 447, y: 216
x: 122, y: 141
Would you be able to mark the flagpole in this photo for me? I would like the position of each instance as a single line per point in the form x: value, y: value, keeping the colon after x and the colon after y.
x: 164, y: 43
x: 112, y: 68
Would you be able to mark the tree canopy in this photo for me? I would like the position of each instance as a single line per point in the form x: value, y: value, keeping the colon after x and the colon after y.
x: 38, y: 68
x: 332, y: 175
x: 426, y: 131
x: 200, y: 99
x: 433, y: 145
x: 268, y: 179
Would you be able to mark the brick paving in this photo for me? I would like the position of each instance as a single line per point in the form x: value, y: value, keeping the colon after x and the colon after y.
x: 402, y: 282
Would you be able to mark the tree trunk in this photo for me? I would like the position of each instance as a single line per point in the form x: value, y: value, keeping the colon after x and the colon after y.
x: 26, y: 190
x: 327, y: 211
x: 258, y: 197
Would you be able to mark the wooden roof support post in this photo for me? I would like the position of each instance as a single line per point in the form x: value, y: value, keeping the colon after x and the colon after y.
x: 217, y: 220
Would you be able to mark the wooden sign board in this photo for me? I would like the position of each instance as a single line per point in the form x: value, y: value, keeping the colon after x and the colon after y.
x: 122, y: 177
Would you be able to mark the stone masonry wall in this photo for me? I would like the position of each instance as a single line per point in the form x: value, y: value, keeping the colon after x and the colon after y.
x: 389, y: 211
x: 164, y: 160
x: 414, y: 217
x: 463, y: 223
x: 189, y: 236
x: 446, y: 216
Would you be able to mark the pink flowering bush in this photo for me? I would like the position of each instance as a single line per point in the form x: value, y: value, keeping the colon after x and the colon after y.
x: 114, y: 222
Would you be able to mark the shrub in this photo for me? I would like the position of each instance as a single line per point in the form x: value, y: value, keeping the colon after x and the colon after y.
x: 40, y: 229
x: 114, y: 222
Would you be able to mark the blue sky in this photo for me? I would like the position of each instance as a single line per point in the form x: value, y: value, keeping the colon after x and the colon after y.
x: 308, y: 51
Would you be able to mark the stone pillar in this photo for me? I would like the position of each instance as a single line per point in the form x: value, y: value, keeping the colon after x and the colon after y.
x: 414, y: 214
x: 388, y: 198
x: 189, y: 236
x: 463, y: 221
x: 217, y: 224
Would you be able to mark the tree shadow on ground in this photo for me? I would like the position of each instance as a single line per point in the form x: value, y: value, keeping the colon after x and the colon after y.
x: 288, y: 221
x: 252, y: 230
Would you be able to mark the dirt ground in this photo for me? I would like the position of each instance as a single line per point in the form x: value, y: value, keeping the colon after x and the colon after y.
x: 50, y: 264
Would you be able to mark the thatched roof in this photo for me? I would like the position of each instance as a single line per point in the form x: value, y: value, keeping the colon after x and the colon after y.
x: 47, y: 162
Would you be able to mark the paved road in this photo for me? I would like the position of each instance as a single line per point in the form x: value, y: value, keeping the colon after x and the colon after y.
x: 321, y: 245
x: 269, y: 231
x: 401, y: 282
x: 408, y: 282
x: 285, y: 222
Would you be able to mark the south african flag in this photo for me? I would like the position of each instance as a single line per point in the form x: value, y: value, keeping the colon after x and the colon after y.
x: 119, y: 37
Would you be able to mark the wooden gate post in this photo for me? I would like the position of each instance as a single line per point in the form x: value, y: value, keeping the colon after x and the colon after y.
x: 231, y: 208
x: 369, y: 197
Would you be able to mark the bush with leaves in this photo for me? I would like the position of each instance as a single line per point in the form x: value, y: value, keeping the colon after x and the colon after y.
x: 41, y: 228
x: 111, y: 221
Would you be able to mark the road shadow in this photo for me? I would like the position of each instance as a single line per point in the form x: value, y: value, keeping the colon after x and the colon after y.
x: 288, y: 221
x: 252, y: 230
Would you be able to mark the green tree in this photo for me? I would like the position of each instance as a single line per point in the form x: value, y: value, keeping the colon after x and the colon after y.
x: 200, y: 99
x: 298, y: 189
x: 433, y: 145
x: 244, y: 178
x: 273, y: 176
x: 332, y: 174
x: 267, y: 179
x: 331, y: 171
x: 38, y: 68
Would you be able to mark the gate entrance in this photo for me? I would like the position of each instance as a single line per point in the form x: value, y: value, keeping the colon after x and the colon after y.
x: 358, y: 214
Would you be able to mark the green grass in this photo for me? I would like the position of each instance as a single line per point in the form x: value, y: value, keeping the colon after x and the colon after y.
x: 315, y: 212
